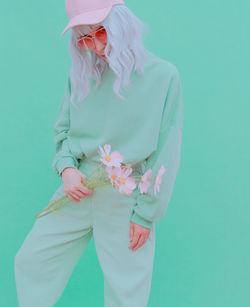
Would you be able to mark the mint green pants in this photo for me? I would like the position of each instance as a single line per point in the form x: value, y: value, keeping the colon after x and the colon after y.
x: 54, y: 245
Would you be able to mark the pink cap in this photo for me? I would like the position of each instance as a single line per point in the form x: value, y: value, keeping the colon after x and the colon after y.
x: 87, y: 11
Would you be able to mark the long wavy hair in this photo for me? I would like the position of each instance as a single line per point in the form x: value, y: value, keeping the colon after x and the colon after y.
x: 125, y: 33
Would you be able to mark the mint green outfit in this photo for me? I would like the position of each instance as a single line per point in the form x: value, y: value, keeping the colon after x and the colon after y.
x: 146, y: 129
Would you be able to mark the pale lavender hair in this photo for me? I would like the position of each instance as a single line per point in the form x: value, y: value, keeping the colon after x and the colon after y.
x: 125, y: 35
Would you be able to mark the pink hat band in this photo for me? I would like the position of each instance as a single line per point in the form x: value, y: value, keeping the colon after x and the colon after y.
x: 87, y: 11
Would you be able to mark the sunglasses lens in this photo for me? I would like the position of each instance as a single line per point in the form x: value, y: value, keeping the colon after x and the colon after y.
x: 88, y: 42
x: 81, y: 44
x: 101, y: 34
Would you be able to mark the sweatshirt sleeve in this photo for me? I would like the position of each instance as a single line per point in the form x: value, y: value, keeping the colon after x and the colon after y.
x: 148, y: 207
x: 63, y: 156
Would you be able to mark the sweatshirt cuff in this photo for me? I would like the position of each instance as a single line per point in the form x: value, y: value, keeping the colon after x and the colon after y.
x: 140, y: 220
x: 62, y: 164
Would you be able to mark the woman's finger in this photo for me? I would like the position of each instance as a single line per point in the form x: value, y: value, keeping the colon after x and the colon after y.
x: 84, y: 189
x: 135, y: 239
x: 140, y: 242
x: 79, y: 194
x: 131, y: 230
x: 71, y: 196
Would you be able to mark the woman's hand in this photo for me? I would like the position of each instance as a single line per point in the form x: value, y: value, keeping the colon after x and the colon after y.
x: 73, y: 184
x: 138, y: 235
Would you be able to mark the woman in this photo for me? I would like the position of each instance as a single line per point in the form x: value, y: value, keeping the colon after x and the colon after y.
x: 120, y: 95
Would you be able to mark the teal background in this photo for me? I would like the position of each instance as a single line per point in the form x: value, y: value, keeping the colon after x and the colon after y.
x: 202, y: 244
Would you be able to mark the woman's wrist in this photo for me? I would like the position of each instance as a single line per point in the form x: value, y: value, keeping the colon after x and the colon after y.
x: 65, y: 169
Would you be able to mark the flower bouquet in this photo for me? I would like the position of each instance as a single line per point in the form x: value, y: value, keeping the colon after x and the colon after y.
x: 111, y: 170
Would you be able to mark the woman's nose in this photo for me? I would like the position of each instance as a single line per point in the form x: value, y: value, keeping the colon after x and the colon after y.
x: 98, y: 45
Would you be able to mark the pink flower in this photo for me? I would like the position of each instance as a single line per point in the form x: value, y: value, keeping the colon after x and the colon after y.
x: 126, y: 184
x: 158, y: 179
x: 113, y: 174
x: 113, y: 159
x: 144, y: 184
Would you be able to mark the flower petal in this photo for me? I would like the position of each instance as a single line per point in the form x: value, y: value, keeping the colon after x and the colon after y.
x: 101, y: 151
x: 107, y: 148
x: 130, y: 183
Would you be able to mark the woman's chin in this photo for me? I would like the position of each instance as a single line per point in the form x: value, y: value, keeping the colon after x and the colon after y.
x: 103, y: 57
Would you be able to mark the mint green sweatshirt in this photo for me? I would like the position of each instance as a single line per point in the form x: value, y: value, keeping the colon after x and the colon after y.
x: 146, y: 128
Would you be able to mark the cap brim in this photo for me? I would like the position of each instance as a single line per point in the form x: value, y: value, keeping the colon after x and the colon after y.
x: 88, y: 18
